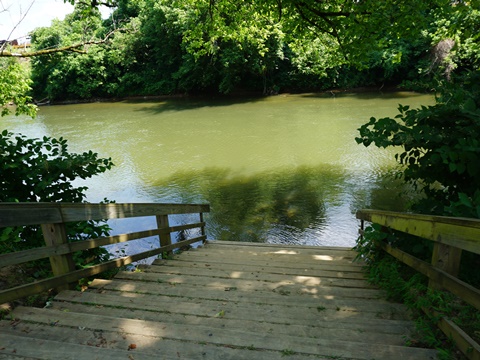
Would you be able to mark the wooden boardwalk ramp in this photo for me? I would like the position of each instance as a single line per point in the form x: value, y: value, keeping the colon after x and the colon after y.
x: 226, y: 300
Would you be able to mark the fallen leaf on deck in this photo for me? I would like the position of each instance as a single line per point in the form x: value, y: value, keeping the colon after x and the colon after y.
x: 220, y: 314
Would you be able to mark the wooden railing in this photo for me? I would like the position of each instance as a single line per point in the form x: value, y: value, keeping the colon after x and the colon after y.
x: 53, y: 216
x: 450, y: 236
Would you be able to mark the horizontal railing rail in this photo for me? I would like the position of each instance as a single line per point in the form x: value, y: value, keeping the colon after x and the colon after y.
x: 52, y: 218
x: 450, y: 236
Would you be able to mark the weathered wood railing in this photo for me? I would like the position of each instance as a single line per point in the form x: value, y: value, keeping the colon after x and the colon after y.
x: 53, y: 216
x: 450, y: 236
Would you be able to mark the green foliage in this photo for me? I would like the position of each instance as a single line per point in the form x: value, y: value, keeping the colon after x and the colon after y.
x: 439, y: 149
x: 15, y: 84
x: 73, y: 75
x: 46, y: 168
x: 439, y: 153
x: 224, y: 46
x: 403, y: 284
x: 35, y: 170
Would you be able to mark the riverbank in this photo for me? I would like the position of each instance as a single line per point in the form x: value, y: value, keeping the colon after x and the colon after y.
x: 235, y: 94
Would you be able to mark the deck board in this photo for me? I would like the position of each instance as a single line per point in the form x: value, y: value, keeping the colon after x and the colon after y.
x: 226, y: 300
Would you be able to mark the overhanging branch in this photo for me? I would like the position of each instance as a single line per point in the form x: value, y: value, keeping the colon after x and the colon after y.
x: 69, y: 48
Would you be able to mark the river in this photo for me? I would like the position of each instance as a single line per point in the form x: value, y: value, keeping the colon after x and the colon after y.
x: 281, y: 169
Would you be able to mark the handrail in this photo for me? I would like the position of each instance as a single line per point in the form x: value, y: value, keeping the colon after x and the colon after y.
x: 53, y: 216
x: 450, y: 236
x: 461, y: 233
x: 20, y: 214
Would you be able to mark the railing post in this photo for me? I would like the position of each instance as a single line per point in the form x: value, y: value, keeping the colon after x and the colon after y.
x: 446, y: 258
x: 165, y: 237
x: 55, y: 234
x: 361, y: 231
x: 202, y: 229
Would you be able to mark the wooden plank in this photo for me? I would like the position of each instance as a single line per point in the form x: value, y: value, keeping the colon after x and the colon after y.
x: 370, y: 325
x: 18, y: 214
x: 202, y: 229
x: 236, y: 294
x: 267, y: 263
x: 290, y: 260
x: 266, y: 283
x: 55, y: 234
x: 185, y: 227
x: 260, y: 246
x: 286, y: 254
x: 42, y: 285
x: 162, y: 222
x: 225, y: 337
x: 55, y: 350
x: 145, y: 346
x: 21, y: 214
x: 350, y: 254
x: 469, y: 347
x: 43, y: 252
x: 273, y: 268
x: 463, y: 290
x: 77, y: 212
x: 457, y: 232
x: 280, y: 249
x: 340, y: 330
x: 275, y: 311
x: 445, y: 258
x: 366, y: 214
x: 251, y: 273
x: 16, y: 357
x: 330, y: 298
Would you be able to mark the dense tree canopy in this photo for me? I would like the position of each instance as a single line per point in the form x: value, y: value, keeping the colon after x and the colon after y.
x: 440, y: 151
x: 163, y: 47
x: 15, y: 84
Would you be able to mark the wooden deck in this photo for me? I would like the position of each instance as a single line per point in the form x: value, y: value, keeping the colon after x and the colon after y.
x: 226, y: 300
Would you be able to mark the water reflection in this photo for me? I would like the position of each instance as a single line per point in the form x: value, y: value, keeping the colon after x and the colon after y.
x: 294, y: 205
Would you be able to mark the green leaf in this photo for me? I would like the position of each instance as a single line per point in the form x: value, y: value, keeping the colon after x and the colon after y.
x: 465, y: 200
x: 470, y: 105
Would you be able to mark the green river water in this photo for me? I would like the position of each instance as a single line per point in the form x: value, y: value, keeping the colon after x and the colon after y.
x: 282, y: 169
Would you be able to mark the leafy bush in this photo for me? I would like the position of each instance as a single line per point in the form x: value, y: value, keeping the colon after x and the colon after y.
x: 34, y: 170
x: 440, y: 148
x: 15, y: 83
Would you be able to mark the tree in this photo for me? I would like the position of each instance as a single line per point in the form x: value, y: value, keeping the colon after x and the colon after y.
x: 218, y: 46
x: 34, y: 170
x: 441, y: 151
x: 15, y: 86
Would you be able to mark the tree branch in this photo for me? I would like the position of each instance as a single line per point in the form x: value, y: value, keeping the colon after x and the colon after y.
x: 94, y: 3
x: 3, y: 46
x: 72, y: 48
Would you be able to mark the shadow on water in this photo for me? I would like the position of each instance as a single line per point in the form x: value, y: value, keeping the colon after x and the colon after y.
x: 175, y: 104
x: 366, y: 95
x: 192, y: 103
x: 301, y: 205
